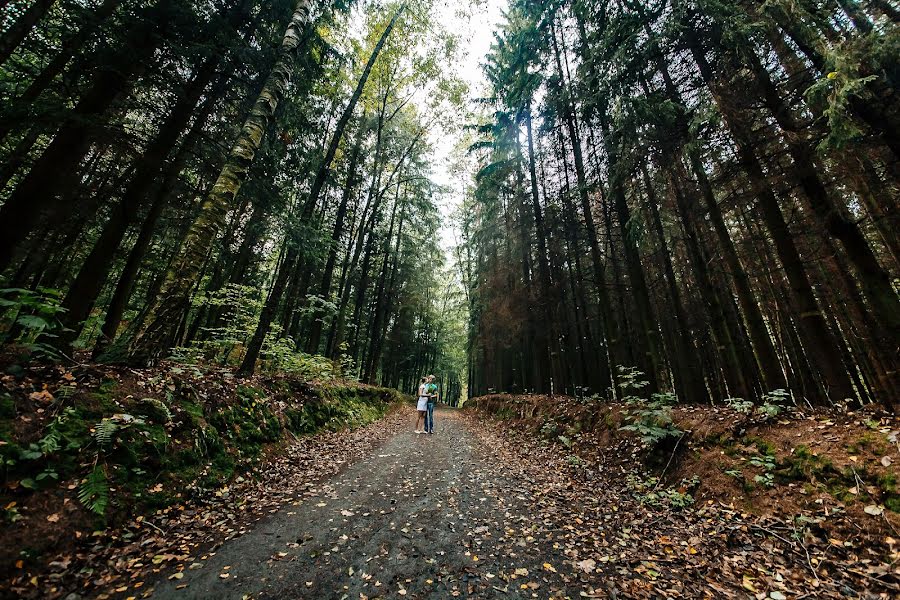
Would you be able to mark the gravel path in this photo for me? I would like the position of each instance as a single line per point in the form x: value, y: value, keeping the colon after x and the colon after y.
x: 417, y: 518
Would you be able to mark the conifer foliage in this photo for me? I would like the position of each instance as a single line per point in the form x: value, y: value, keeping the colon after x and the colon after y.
x: 704, y: 190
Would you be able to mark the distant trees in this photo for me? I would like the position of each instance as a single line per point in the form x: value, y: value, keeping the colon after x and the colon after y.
x: 705, y: 190
x: 237, y: 180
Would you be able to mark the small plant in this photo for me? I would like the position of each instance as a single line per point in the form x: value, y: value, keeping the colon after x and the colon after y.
x: 93, y: 493
x: 647, y: 491
x: 345, y: 361
x: 652, y: 419
x: 766, y: 462
x: 767, y: 479
x: 549, y: 430
x: 574, y: 460
x: 773, y: 403
x: 739, y: 405
x: 32, y: 318
x: 630, y: 382
x: 280, y: 354
x: 11, y: 513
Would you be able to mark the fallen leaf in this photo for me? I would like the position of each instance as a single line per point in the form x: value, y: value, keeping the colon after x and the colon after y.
x: 874, y: 510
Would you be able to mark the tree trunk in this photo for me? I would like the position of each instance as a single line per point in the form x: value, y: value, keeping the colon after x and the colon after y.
x: 168, y: 307
x: 316, y: 324
x: 15, y: 35
x: 90, y: 279
x: 818, y: 340
x: 70, y: 47
x: 265, y: 320
x: 54, y: 170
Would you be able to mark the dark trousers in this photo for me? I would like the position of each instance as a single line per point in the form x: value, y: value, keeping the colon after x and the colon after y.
x: 429, y: 418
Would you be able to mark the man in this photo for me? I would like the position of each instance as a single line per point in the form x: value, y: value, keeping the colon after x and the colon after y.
x: 432, y: 394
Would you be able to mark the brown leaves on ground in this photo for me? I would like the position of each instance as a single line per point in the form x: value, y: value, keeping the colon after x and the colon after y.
x: 121, y: 560
x: 618, y: 547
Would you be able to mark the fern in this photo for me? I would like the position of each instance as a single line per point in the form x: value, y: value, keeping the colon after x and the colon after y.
x: 94, y: 491
x: 105, y: 431
x: 50, y: 442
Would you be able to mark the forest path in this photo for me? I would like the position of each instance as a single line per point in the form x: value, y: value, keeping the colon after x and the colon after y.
x: 482, y: 511
x: 421, y: 517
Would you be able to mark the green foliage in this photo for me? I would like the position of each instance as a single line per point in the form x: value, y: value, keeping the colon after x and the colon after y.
x: 773, y: 403
x: 239, y: 307
x: 630, y: 381
x: 31, y: 318
x: 549, y: 430
x: 835, y: 92
x: 108, y: 428
x: 93, y: 493
x: 648, y: 491
x: 155, y: 410
x: 11, y: 512
x: 739, y: 405
x: 281, y: 355
x: 650, y: 419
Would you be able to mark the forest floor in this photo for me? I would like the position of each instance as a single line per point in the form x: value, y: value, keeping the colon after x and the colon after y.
x: 484, y: 509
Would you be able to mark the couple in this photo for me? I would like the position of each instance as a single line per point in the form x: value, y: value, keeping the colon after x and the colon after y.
x: 428, y: 393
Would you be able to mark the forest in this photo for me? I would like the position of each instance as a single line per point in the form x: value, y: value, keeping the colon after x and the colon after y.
x: 238, y: 181
x: 649, y: 250
x: 705, y: 191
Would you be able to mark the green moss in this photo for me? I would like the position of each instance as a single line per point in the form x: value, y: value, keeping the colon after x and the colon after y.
x: 803, y: 465
x: 888, y: 482
x: 105, y: 396
x: 869, y: 441
x: 7, y: 407
x: 505, y: 414
x: 610, y: 421
x: 764, y: 447
x: 182, y: 443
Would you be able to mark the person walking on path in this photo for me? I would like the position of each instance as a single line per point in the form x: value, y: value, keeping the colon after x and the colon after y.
x: 431, y: 390
x: 422, y: 404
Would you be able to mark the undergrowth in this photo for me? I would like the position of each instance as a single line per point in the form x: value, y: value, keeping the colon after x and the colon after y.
x: 122, y: 453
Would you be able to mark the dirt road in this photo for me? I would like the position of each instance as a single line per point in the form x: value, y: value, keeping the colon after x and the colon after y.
x: 415, y: 519
x: 475, y: 513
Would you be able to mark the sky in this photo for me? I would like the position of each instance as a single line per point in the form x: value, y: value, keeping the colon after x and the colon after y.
x: 476, y: 35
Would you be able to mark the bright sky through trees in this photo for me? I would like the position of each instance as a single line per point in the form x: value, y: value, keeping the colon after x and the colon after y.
x: 476, y: 33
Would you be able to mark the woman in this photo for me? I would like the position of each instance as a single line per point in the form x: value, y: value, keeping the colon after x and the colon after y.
x: 422, y: 404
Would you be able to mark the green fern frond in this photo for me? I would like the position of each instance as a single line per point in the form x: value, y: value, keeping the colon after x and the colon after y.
x: 50, y: 442
x: 105, y: 431
x: 94, y: 491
